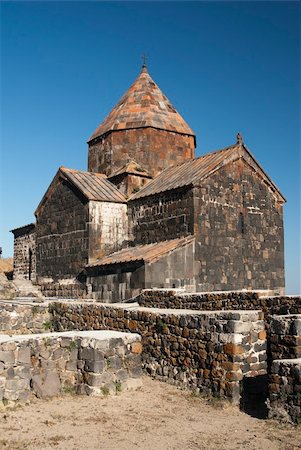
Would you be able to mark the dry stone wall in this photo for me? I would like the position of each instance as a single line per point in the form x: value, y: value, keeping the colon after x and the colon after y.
x: 285, y: 373
x: 65, y: 290
x: 206, y: 351
x: 285, y: 390
x: 210, y: 301
x: 285, y: 336
x: 92, y: 363
x: 20, y: 318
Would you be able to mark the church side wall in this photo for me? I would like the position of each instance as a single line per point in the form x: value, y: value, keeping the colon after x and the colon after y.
x: 239, y: 228
x: 25, y: 255
x: 62, y: 235
x: 116, y: 283
x: 108, y: 228
x: 157, y: 218
x: 175, y: 270
x: 147, y: 146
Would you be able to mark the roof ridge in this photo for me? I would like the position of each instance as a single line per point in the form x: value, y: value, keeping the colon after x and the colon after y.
x: 98, y: 174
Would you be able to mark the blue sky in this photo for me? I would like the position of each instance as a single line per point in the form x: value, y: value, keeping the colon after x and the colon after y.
x: 226, y: 67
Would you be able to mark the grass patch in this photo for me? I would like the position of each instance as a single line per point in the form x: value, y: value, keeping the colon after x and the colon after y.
x: 48, y: 325
x: 105, y: 390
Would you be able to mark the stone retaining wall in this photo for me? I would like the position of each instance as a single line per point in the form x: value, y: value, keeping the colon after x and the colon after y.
x: 93, y: 363
x: 284, y: 349
x: 18, y: 318
x: 59, y: 290
x: 228, y: 300
x: 285, y: 336
x: 206, y: 351
x: 285, y: 390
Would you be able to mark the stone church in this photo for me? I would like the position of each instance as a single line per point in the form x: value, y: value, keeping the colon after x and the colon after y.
x: 149, y: 214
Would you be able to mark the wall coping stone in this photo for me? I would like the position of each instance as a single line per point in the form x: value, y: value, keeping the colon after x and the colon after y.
x: 101, y: 335
x: 295, y: 361
x: 226, y: 314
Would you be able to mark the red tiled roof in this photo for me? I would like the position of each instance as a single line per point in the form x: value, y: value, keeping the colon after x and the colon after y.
x: 192, y: 172
x: 143, y: 105
x: 147, y: 253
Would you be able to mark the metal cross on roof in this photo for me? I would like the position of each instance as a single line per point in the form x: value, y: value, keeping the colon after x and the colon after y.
x: 144, y: 59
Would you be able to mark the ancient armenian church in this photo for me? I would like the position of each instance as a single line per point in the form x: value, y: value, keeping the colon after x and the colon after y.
x: 149, y: 214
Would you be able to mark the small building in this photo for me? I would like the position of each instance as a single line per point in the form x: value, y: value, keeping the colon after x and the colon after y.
x: 147, y: 213
x: 25, y: 252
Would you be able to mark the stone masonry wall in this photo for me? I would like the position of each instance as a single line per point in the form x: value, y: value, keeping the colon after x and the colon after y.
x: 146, y: 146
x: 285, y: 336
x: 72, y: 290
x: 206, y: 351
x: 62, y: 235
x: 284, y: 349
x: 239, y: 228
x: 210, y: 301
x: 20, y: 318
x: 175, y: 269
x: 285, y: 390
x: 117, y: 283
x: 25, y: 253
x: 93, y: 363
x: 108, y: 228
x: 152, y: 217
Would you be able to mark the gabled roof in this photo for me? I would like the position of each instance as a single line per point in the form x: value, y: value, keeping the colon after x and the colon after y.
x: 146, y: 253
x: 93, y: 186
x: 194, y: 171
x: 24, y: 229
x: 131, y: 168
x: 143, y: 105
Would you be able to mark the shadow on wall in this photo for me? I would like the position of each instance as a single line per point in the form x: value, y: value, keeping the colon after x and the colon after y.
x: 254, y: 394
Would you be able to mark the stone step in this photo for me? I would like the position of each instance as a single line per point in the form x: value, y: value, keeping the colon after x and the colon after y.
x: 25, y: 288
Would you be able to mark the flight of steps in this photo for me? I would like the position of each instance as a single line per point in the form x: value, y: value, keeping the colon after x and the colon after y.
x: 26, y: 289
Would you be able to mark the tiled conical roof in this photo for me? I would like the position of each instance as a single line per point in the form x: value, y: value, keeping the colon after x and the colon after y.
x: 143, y: 105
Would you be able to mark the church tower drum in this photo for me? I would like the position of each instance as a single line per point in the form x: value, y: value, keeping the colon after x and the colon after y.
x: 143, y: 127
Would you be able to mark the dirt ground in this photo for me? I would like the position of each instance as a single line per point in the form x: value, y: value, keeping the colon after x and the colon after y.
x: 6, y: 264
x: 156, y: 417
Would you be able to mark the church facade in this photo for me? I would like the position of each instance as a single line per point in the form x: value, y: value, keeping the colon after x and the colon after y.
x: 148, y: 214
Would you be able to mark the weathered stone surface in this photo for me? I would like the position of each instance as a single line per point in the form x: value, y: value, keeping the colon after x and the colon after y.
x: 46, y: 385
x: 7, y: 357
x: 24, y: 355
x: 18, y: 318
x: 284, y: 390
x: 41, y: 365
x: 25, y: 252
x: 190, y: 348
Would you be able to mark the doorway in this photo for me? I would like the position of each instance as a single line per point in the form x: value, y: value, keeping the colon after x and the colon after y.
x: 30, y: 264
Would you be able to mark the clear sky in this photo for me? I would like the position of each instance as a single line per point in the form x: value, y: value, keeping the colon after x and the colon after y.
x: 226, y: 67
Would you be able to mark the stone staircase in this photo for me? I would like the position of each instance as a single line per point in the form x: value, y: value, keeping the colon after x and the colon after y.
x: 26, y: 289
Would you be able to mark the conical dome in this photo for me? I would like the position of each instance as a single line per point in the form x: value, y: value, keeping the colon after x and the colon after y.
x: 142, y: 127
x: 143, y: 105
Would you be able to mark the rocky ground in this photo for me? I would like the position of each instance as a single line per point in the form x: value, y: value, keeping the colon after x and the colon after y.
x: 156, y: 417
